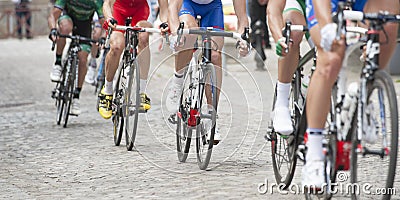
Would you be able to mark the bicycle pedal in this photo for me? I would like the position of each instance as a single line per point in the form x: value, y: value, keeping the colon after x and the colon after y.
x: 172, y: 119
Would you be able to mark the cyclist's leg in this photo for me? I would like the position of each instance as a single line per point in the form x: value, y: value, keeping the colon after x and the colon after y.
x: 144, y: 63
x: 182, y: 58
x: 318, y: 103
x: 65, y: 27
x: 387, y: 43
x: 96, y: 34
x: 287, y: 65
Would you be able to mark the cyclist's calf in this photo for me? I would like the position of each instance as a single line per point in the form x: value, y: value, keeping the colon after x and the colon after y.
x: 329, y: 68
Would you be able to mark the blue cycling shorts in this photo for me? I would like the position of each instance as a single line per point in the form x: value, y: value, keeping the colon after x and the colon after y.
x: 358, y: 5
x: 211, y: 14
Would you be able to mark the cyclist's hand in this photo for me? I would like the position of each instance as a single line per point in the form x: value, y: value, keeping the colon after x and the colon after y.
x: 244, y: 48
x: 164, y: 28
x: 281, y: 47
x: 101, y: 42
x: 110, y: 22
x: 53, y: 34
x: 328, y: 34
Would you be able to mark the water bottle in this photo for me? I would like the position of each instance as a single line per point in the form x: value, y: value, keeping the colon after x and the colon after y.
x: 348, y: 108
x: 303, y: 89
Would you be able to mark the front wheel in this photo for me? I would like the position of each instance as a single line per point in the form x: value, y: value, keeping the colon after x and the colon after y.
x: 118, y: 97
x: 380, y: 117
x: 131, y: 104
x: 207, y: 112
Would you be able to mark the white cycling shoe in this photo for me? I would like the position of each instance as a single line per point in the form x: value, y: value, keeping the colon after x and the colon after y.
x: 313, y: 174
x: 55, y: 74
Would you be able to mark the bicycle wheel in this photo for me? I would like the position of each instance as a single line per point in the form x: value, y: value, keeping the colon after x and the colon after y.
x: 69, y: 90
x: 58, y: 94
x: 118, y: 97
x: 183, y: 131
x: 206, y: 122
x: 131, y: 104
x: 380, y: 118
x: 283, y: 148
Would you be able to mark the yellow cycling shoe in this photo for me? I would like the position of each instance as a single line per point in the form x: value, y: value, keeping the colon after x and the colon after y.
x: 144, y: 102
x: 105, y: 102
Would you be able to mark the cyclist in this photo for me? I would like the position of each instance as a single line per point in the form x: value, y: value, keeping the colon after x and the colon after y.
x: 96, y: 35
x: 211, y: 16
x: 330, y: 57
x: 278, y: 12
x: 75, y: 17
x: 116, y: 12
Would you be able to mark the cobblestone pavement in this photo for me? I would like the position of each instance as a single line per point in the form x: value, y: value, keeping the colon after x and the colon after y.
x: 40, y: 160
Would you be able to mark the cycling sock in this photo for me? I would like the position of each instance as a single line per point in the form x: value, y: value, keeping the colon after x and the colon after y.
x: 58, y: 59
x: 314, y: 144
x: 143, y: 83
x: 282, y: 94
x: 77, y: 93
x: 178, y: 78
x: 108, y: 88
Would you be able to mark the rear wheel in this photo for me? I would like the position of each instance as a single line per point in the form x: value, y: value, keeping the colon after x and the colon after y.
x: 131, y: 104
x: 183, y: 131
x: 283, y: 148
x: 380, y: 117
x: 206, y: 122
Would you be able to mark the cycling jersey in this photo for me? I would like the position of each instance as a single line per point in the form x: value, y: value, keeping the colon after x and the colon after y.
x: 81, y: 10
x: 137, y: 9
x: 211, y: 13
x: 358, y: 5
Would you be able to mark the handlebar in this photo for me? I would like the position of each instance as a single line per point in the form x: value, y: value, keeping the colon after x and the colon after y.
x: 75, y: 38
x: 211, y: 32
x: 287, y: 31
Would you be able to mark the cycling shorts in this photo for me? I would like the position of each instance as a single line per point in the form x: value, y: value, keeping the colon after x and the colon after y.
x: 358, y: 5
x: 296, y: 5
x: 81, y: 28
x: 139, y: 11
x: 211, y: 14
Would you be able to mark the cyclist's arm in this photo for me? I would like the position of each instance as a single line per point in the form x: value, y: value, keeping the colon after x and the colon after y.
x: 173, y: 18
x: 275, y: 17
x: 108, y: 8
x: 322, y: 9
x: 240, y: 11
x: 163, y: 6
x: 53, y: 17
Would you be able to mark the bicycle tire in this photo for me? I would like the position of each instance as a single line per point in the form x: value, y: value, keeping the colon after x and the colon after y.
x: 202, y: 145
x: 290, y: 143
x: 60, y: 96
x: 382, y: 81
x: 118, y: 118
x: 183, y: 132
x: 70, y: 90
x: 132, y: 118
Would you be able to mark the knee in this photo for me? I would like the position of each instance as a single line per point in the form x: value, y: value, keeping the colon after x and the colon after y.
x: 215, y: 57
x: 297, y: 38
x: 116, y: 47
x: 143, y: 40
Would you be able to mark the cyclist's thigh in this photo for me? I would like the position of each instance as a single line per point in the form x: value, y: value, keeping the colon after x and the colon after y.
x: 295, y: 12
x: 392, y: 6
x: 83, y: 28
x: 187, y: 14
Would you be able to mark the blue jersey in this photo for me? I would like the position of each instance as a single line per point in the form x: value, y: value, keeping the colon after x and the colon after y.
x: 358, y: 5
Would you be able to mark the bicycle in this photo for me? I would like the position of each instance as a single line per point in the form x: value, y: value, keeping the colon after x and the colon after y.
x: 284, y: 149
x: 351, y: 121
x: 126, y: 98
x: 199, y: 91
x: 260, y: 56
x: 65, y: 88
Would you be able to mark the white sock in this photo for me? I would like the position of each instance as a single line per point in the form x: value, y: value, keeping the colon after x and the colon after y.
x: 93, y: 63
x: 178, y: 78
x: 282, y: 94
x: 314, y: 144
x: 143, y: 83
x: 108, y: 89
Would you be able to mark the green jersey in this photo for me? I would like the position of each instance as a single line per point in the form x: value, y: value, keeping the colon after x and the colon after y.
x: 81, y: 9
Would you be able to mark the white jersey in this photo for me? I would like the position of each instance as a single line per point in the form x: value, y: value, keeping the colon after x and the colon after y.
x: 203, y: 1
